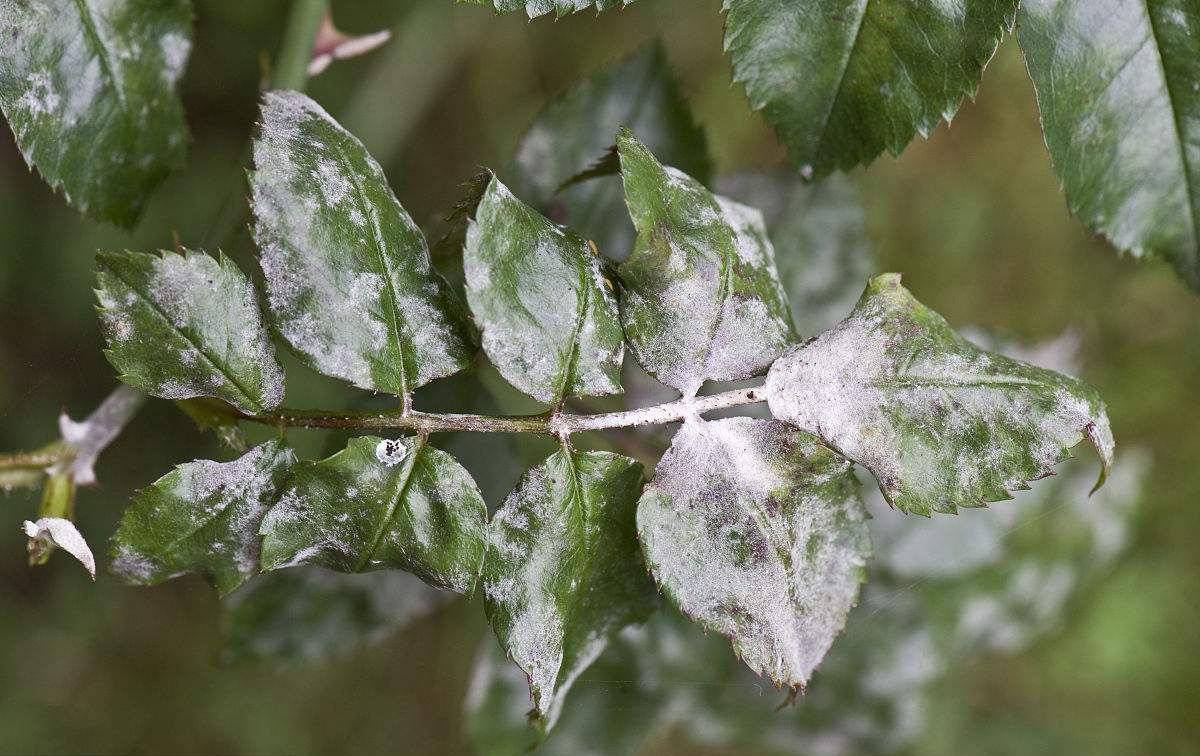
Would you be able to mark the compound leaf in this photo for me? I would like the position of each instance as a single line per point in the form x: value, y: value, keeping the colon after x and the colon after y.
x: 180, y: 326
x: 843, y: 80
x: 700, y: 297
x: 350, y: 284
x: 202, y: 517
x: 940, y: 422
x: 576, y: 129
x: 757, y: 531
x: 563, y: 572
x: 89, y: 89
x: 381, y: 504
x: 1118, y: 85
x: 549, y: 320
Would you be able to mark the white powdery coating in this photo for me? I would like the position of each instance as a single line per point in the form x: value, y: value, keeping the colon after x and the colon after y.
x: 390, y: 452
x: 708, y: 329
x: 768, y: 555
x: 63, y: 534
x: 852, y: 383
x: 348, y: 274
x: 564, y: 322
x: 175, y: 49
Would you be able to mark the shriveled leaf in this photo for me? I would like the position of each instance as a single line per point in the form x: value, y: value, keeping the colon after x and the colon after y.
x: 381, y: 504
x: 563, y: 572
x: 941, y: 423
x: 214, y: 415
x: 203, y: 517
x: 757, y: 531
x: 700, y: 297
x: 1118, y: 85
x: 560, y: 8
x: 576, y: 129
x: 309, y: 613
x: 349, y: 280
x: 184, y: 326
x: 843, y: 80
x: 819, y: 232
x: 49, y: 533
x: 89, y: 89
x: 549, y: 320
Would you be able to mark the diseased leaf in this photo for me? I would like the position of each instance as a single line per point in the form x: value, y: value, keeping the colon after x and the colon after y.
x: 843, y: 80
x: 757, y: 531
x: 535, y: 8
x: 381, y: 504
x: 819, y: 232
x: 1118, y: 85
x: 349, y: 281
x: 700, y: 296
x: 89, y: 89
x: 202, y: 517
x: 185, y: 326
x: 563, y: 572
x: 940, y: 422
x: 309, y: 613
x: 549, y: 320
x: 576, y: 129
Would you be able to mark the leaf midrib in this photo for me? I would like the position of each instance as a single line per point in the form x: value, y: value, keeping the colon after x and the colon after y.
x: 92, y: 31
x: 400, y: 491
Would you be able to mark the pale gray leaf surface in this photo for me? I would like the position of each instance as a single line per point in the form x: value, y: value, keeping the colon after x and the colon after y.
x: 89, y: 89
x: 564, y: 572
x: 184, y: 326
x: 61, y: 533
x: 350, y: 284
x: 941, y: 423
x: 757, y: 531
x: 1118, y: 85
x: 700, y: 296
x: 560, y: 8
x: 549, y: 320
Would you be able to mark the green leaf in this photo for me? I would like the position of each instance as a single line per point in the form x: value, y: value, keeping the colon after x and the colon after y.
x: 536, y: 8
x: 575, y: 129
x: 757, y: 531
x: 185, y: 326
x: 564, y: 572
x: 202, y: 517
x: 381, y: 504
x: 349, y: 281
x: 819, y: 232
x: 940, y: 422
x: 700, y: 298
x: 308, y: 613
x: 843, y: 80
x: 1118, y: 85
x: 549, y: 320
x: 89, y: 89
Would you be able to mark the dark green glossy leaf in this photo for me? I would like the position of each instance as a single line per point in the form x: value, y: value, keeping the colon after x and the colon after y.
x: 309, y: 613
x: 381, y: 504
x: 1118, y: 85
x: 819, y: 232
x: 757, y: 531
x: 349, y: 280
x: 940, y: 422
x: 549, y: 320
x: 560, y: 8
x: 576, y: 129
x: 843, y: 80
x: 564, y: 572
x: 202, y: 517
x: 184, y: 326
x: 89, y: 90
x: 700, y: 296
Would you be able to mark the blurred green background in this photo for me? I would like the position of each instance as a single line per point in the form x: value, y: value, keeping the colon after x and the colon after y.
x: 973, y: 218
